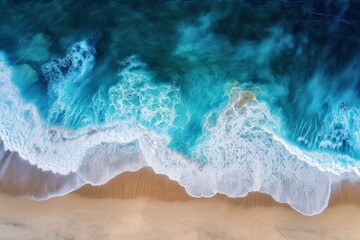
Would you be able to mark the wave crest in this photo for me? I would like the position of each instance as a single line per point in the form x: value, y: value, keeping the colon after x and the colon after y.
x: 239, y: 151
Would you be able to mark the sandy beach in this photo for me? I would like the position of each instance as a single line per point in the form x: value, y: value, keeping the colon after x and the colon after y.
x: 144, y: 205
x: 148, y: 120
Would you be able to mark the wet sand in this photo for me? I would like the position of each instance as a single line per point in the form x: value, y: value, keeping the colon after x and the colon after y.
x: 144, y: 205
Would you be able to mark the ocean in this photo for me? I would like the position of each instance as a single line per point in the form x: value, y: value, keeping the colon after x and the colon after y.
x: 221, y: 96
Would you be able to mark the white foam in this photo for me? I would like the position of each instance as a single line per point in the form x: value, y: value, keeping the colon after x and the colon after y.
x: 343, y: 123
x: 240, y: 151
x: 328, y: 155
x: 50, y: 148
x: 137, y: 99
x: 66, y: 76
x: 60, y: 150
x: 244, y: 156
x: 241, y: 156
x: 107, y: 160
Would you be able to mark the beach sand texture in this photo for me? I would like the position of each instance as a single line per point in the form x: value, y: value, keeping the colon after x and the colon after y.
x: 145, y: 205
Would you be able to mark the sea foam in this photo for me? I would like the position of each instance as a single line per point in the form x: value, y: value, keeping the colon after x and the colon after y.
x: 239, y: 152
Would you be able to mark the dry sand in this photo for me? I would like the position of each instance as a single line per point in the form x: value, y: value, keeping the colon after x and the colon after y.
x: 144, y: 205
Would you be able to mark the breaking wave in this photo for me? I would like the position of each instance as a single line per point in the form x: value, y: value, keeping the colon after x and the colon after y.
x: 217, y: 111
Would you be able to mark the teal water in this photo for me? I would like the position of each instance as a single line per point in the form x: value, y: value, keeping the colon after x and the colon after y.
x: 174, y: 69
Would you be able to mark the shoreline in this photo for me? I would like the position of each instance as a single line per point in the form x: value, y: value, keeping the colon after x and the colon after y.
x: 19, y: 178
x: 146, y: 183
x: 145, y: 205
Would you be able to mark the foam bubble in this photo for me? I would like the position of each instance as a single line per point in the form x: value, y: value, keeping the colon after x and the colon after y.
x: 70, y: 67
x: 332, y: 146
x: 331, y: 134
x: 244, y: 156
x: 240, y: 149
x: 62, y: 150
x: 137, y: 99
x: 66, y: 76
x: 341, y: 130
x: 50, y: 148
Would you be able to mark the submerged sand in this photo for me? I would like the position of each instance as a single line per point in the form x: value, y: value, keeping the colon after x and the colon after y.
x: 144, y: 205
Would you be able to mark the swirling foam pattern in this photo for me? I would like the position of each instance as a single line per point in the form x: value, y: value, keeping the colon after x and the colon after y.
x: 216, y: 98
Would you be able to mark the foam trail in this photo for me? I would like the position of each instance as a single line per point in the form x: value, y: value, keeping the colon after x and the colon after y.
x: 18, y: 177
x: 252, y: 160
x: 66, y: 78
x: 163, y: 87
x: 52, y: 148
x: 103, y: 162
x: 240, y: 149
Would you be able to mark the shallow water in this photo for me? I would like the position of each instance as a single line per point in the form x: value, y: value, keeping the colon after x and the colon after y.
x: 221, y: 96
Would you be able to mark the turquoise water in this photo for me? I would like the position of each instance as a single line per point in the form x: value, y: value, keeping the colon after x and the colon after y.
x: 168, y: 76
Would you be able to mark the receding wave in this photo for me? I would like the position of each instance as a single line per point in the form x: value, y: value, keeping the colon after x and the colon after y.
x: 238, y: 153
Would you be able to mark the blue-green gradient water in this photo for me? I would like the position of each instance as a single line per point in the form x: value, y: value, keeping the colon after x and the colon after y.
x: 221, y: 96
